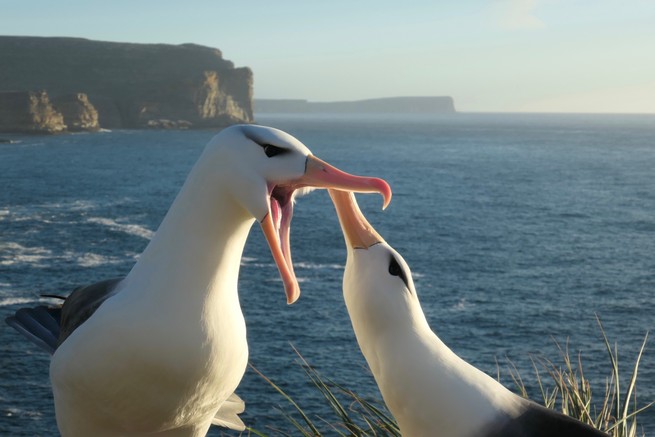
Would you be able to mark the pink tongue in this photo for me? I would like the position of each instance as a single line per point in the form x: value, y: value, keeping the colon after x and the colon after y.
x: 282, y: 221
x: 276, y: 214
x: 284, y: 228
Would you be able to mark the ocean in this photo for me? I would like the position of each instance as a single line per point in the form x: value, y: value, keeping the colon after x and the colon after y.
x: 520, y: 230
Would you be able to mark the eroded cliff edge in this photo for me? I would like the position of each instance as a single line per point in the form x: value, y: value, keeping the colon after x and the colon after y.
x: 132, y: 85
x: 29, y: 112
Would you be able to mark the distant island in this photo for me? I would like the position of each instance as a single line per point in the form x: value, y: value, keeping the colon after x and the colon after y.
x: 51, y: 85
x: 388, y: 105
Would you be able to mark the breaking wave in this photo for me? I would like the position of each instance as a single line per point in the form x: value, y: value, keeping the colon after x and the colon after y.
x: 131, y: 229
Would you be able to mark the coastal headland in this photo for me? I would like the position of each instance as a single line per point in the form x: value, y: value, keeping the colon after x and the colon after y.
x: 51, y: 85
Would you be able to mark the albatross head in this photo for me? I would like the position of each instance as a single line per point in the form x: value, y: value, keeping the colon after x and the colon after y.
x: 377, y: 283
x: 267, y: 168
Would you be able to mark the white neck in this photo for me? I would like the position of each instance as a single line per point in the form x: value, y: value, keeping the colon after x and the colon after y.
x: 197, y: 248
x: 427, y: 386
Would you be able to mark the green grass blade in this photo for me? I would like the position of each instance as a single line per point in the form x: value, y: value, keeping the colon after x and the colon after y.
x: 290, y: 400
x: 633, y: 378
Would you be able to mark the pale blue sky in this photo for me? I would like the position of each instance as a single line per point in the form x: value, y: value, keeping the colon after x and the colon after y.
x: 490, y: 55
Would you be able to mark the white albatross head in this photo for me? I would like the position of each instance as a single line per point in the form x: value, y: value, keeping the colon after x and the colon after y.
x: 377, y: 284
x: 264, y: 168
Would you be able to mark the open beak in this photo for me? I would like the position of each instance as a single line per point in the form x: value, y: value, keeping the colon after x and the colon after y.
x: 276, y: 224
x: 357, y: 231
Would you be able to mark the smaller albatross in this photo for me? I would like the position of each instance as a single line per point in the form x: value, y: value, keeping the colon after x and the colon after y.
x: 429, y: 390
x: 161, y: 351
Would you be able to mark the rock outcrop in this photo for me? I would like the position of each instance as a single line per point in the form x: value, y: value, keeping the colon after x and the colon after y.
x: 132, y: 85
x: 29, y: 112
x: 79, y: 114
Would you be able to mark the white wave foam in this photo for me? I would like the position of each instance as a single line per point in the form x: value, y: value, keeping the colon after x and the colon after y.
x: 75, y: 205
x: 78, y: 205
x: 94, y: 260
x: 320, y: 266
x: 298, y: 265
x: 60, y: 213
x: 7, y: 301
x: 12, y: 253
x: 131, y: 229
x: 13, y: 411
x: 258, y: 265
x: 461, y: 305
x: 44, y: 213
x: 15, y: 215
x: 278, y: 279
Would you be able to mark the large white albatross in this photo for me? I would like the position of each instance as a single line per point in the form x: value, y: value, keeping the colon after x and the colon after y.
x: 429, y: 390
x: 161, y: 351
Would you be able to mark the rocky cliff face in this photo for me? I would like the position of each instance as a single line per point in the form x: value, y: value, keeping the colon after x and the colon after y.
x: 79, y: 114
x: 132, y: 85
x: 29, y: 112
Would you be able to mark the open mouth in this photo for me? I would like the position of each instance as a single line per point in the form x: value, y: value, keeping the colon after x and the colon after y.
x: 276, y: 224
x: 281, y: 201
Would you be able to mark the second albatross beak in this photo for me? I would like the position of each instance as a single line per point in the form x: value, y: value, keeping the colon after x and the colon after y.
x: 357, y: 231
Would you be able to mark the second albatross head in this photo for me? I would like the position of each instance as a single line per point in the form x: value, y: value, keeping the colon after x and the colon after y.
x: 377, y: 285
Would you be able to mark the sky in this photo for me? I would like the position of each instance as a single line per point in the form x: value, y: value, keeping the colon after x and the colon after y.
x: 489, y: 55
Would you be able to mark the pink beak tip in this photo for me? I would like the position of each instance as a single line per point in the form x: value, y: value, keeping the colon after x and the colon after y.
x: 292, y: 299
x: 293, y: 293
x: 385, y: 192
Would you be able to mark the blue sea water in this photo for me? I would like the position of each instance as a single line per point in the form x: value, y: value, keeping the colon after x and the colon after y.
x: 519, y: 230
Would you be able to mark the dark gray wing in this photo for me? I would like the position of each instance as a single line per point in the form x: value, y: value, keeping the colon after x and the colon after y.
x: 48, y: 327
x: 538, y: 421
x: 40, y: 325
x: 82, y: 303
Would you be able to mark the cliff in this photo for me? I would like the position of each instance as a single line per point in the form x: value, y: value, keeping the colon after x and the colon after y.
x: 79, y: 114
x: 389, y: 105
x: 29, y: 112
x: 132, y: 85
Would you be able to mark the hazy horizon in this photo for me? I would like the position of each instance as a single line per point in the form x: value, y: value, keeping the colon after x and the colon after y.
x: 490, y: 56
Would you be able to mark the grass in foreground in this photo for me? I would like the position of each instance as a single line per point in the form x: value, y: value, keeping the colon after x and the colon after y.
x: 563, y: 387
x: 352, y: 414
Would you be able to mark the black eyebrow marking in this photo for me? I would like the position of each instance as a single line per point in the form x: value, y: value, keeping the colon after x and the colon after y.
x: 395, y: 269
x: 270, y: 149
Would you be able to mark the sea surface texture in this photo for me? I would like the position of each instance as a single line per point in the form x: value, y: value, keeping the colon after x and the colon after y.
x: 520, y: 230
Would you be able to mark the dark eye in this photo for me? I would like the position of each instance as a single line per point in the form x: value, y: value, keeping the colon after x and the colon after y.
x: 272, y: 150
x: 396, y: 270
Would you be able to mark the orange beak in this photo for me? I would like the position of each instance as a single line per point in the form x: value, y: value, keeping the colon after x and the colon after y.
x: 276, y: 224
x: 357, y: 231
